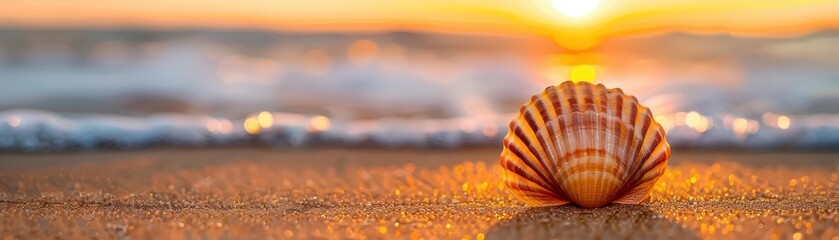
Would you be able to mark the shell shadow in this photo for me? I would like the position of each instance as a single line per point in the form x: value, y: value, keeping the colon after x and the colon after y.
x: 616, y: 221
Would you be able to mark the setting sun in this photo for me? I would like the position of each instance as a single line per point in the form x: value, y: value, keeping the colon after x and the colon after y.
x: 582, y: 73
x: 575, y: 8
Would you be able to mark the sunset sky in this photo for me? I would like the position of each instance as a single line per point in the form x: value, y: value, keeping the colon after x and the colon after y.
x: 554, y: 18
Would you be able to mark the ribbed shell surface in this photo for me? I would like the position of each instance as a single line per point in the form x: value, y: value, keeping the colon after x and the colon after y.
x: 586, y: 144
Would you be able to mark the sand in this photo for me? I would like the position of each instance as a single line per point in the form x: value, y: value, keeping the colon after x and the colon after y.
x: 415, y: 194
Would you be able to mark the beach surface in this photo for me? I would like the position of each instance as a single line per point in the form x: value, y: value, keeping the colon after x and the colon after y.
x: 253, y: 193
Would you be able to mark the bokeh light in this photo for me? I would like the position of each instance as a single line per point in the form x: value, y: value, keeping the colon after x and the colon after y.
x: 704, y: 124
x: 692, y: 119
x: 266, y: 119
x: 226, y: 127
x: 213, y: 126
x: 770, y: 119
x: 252, y: 125
x: 740, y: 126
x: 783, y: 122
x: 319, y: 124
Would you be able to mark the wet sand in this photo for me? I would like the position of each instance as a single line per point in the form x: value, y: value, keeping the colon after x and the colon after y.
x: 415, y: 194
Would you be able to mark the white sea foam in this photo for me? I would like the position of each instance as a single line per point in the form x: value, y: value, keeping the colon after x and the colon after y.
x: 31, y: 131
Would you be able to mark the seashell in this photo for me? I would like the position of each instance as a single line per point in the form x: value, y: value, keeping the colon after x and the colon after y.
x: 586, y: 144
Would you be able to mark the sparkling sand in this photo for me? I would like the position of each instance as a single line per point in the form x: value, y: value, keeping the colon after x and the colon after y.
x: 416, y: 194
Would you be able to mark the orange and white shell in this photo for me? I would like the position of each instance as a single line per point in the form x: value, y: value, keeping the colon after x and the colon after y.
x: 584, y: 144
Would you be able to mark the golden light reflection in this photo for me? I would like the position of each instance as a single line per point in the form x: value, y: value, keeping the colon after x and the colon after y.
x: 704, y: 124
x: 740, y: 126
x: 363, y: 52
x: 14, y: 121
x: 575, y: 8
x: 252, y: 125
x: 692, y: 119
x: 266, y: 119
x: 582, y: 73
x: 783, y: 122
x: 319, y: 124
x: 701, y: 196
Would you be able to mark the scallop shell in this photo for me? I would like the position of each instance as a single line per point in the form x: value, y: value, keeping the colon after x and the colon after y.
x: 586, y: 144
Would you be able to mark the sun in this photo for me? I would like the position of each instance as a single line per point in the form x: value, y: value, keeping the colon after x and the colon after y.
x: 575, y: 8
x: 582, y: 73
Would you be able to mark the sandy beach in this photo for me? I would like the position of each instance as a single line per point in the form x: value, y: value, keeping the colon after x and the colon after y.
x: 249, y: 193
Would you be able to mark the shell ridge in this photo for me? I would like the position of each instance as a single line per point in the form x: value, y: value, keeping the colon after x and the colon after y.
x: 521, y: 173
x: 645, y: 131
x: 561, y: 122
x: 524, y: 187
x: 642, y: 190
x: 563, y: 131
x: 523, y: 137
x: 552, y: 181
x: 547, y: 142
x: 593, y: 96
x: 515, y: 151
x: 562, y: 149
x: 569, y: 132
x: 534, y: 126
x: 656, y: 146
x: 621, y: 170
x: 639, y: 162
x: 662, y: 151
x: 620, y: 147
x: 634, y: 144
x: 617, y: 126
x: 533, y: 196
x: 628, y: 132
x: 517, y: 139
x: 584, y: 119
x: 537, y: 151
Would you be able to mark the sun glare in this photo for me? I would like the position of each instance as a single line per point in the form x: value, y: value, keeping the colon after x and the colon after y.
x: 575, y: 8
x: 582, y: 73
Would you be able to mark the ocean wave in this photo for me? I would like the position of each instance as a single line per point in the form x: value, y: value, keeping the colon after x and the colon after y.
x: 40, y: 131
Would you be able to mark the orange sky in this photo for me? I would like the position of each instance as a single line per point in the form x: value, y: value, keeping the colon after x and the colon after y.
x: 530, y: 17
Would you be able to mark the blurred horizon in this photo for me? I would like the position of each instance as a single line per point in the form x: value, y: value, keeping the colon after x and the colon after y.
x: 262, y: 62
x: 576, y: 25
x: 715, y: 73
